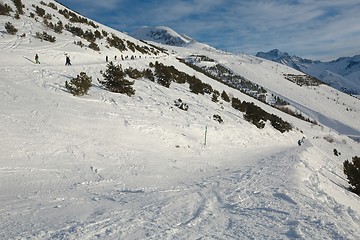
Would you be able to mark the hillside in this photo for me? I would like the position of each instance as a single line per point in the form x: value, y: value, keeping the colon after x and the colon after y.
x: 255, y: 76
x: 109, y: 166
x: 342, y: 74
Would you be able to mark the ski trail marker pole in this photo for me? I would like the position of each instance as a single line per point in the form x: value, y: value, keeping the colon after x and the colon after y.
x: 205, y: 135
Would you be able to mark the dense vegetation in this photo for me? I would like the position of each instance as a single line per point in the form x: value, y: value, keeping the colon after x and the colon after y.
x: 5, y: 9
x: 19, y: 6
x: 258, y: 116
x: 74, y: 18
x: 303, y: 80
x: 352, y: 171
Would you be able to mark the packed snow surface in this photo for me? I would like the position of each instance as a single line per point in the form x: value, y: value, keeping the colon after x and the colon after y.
x: 109, y: 166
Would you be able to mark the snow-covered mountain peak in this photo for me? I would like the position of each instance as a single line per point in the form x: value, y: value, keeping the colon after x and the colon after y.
x: 161, y: 34
x: 274, y: 54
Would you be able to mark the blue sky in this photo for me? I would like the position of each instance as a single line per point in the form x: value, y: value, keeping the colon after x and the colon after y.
x: 315, y: 29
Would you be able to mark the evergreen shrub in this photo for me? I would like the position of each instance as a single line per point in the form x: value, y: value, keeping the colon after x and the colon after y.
x: 10, y: 29
x: 5, y: 9
x: 352, y: 171
x: 114, y: 80
x: 80, y: 85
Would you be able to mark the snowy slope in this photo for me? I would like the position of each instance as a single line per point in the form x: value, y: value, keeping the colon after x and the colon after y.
x: 322, y: 103
x: 109, y: 166
x: 342, y: 74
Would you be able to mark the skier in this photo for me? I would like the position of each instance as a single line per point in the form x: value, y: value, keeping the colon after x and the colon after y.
x: 37, y: 59
x: 107, y: 59
x: 67, y: 63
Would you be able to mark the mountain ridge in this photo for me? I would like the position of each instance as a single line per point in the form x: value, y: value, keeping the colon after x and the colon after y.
x: 342, y: 73
x: 161, y: 34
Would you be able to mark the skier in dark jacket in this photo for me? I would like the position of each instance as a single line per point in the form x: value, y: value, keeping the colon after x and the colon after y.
x: 37, y: 59
x: 67, y: 63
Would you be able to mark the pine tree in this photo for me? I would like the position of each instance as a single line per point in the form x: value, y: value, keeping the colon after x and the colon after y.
x: 114, y: 80
x: 225, y: 97
x: 352, y: 171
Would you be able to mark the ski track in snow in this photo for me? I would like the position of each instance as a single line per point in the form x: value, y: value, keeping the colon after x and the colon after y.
x: 222, y: 203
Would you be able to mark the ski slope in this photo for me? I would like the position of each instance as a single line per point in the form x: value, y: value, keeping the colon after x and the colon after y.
x: 109, y: 166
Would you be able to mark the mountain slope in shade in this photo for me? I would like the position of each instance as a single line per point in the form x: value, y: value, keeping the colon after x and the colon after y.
x: 342, y: 74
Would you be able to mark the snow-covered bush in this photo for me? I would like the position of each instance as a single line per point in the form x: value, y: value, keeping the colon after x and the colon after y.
x: 52, y: 5
x: 79, y: 43
x: 336, y: 152
x: 279, y: 124
x: 164, y: 75
x: 19, y: 6
x: 149, y: 74
x: 94, y: 46
x: 114, y: 80
x: 215, y: 96
x: 218, y: 118
x: 180, y: 104
x: 40, y: 11
x: 258, y: 116
x: 329, y: 138
x: 5, y: 9
x: 58, y: 27
x: 352, y: 171
x: 225, y: 97
x: 134, y: 73
x: 10, y: 29
x: 255, y: 115
x: 116, y: 42
x: 197, y: 86
x: 45, y: 36
x: 80, y: 85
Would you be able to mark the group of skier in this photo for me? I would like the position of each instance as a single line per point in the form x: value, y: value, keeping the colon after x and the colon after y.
x: 68, y: 63
x: 67, y: 60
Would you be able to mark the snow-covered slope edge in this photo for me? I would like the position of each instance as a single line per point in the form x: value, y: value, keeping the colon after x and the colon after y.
x: 115, y: 167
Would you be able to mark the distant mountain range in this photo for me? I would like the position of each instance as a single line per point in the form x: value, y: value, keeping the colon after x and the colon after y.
x: 342, y: 74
